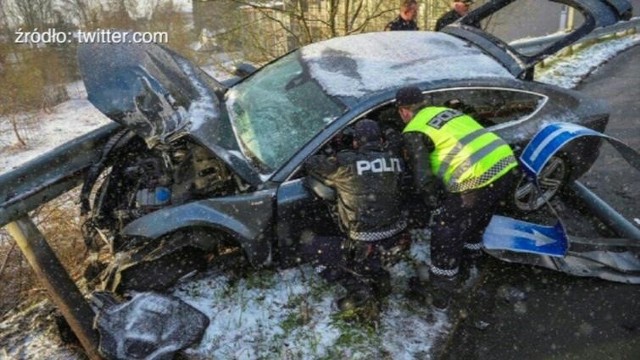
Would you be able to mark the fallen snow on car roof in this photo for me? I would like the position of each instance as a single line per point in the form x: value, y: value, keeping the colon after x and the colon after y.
x: 360, y: 64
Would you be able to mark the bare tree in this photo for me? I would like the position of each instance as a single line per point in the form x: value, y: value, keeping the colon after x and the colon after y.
x: 142, y: 9
x: 293, y: 23
x: 4, y: 22
x: 34, y: 13
x: 84, y: 11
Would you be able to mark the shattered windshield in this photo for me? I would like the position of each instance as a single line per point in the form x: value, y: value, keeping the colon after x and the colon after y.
x: 278, y: 110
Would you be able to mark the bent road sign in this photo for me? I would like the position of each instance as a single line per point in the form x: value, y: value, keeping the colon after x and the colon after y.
x: 504, y: 233
x: 548, y: 141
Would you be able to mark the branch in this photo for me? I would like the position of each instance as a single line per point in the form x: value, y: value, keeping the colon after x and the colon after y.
x: 305, y: 24
x: 367, y: 20
x: 356, y: 14
x: 333, y: 12
x: 291, y: 14
x: 279, y: 22
x: 6, y: 258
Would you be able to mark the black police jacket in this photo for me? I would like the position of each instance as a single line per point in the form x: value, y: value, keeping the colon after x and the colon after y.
x: 367, y: 182
x: 399, y: 24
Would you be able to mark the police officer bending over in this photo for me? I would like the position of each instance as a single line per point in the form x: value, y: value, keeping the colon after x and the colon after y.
x: 451, y: 154
x: 367, y: 181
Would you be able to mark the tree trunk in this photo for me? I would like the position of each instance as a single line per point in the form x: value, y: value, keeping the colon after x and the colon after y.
x: 14, y: 125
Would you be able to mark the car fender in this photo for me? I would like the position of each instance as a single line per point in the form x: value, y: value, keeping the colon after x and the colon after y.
x: 246, y: 218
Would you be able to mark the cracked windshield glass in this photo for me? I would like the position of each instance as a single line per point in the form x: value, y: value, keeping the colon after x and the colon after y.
x: 278, y: 110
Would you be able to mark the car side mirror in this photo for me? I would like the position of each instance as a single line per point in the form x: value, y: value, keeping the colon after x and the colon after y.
x: 321, y: 190
x: 243, y: 70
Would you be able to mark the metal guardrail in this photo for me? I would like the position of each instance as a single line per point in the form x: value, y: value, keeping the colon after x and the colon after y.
x: 33, y: 184
x: 528, y: 46
x: 50, y: 175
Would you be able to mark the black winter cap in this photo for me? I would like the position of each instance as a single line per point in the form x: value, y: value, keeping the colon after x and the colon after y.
x: 367, y: 130
x: 408, y: 96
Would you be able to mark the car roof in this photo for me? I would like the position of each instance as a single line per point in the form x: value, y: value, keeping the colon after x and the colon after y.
x: 359, y: 65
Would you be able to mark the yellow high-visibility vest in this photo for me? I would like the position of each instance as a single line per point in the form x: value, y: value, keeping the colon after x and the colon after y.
x: 466, y: 155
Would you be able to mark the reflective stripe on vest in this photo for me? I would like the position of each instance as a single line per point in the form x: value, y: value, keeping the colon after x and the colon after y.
x: 466, y: 155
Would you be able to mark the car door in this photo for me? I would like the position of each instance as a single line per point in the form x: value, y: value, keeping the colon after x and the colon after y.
x: 300, y: 213
x: 596, y: 13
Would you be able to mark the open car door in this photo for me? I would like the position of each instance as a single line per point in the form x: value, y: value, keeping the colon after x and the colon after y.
x: 596, y: 14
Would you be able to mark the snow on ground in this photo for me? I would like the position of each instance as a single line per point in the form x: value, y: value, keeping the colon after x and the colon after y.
x: 44, y: 131
x: 567, y: 72
x: 284, y: 314
x: 289, y: 314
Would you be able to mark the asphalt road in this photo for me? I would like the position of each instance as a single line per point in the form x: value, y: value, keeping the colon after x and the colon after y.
x: 522, y: 312
x: 619, y: 83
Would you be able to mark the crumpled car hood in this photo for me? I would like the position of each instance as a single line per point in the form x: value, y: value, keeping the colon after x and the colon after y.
x: 161, y: 96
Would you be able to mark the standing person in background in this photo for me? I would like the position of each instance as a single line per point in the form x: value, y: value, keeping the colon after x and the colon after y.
x: 406, y: 20
x: 469, y: 170
x: 459, y: 9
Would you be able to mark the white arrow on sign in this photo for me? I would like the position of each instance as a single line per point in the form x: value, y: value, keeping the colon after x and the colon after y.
x: 537, y: 237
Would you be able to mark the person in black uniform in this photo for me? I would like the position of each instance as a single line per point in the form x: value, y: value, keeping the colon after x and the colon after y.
x: 459, y: 9
x: 406, y: 20
x: 367, y: 180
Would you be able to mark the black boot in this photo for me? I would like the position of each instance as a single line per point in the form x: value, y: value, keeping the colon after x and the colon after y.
x: 359, y: 305
x: 355, y: 299
x: 438, y: 291
x: 473, y: 262
x: 380, y: 283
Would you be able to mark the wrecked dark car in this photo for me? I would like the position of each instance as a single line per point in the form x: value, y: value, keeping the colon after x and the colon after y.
x: 196, y: 169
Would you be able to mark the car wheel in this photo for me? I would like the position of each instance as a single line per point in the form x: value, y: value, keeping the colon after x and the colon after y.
x: 529, y: 197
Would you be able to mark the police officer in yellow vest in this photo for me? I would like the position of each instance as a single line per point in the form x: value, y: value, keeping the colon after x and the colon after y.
x: 471, y: 169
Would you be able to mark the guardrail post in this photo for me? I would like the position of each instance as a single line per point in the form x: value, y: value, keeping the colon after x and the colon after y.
x: 63, y: 292
x: 608, y: 215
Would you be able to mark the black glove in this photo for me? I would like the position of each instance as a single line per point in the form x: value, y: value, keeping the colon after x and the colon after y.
x: 433, y: 193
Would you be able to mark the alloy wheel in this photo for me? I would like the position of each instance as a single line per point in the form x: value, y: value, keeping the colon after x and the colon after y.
x: 529, y: 197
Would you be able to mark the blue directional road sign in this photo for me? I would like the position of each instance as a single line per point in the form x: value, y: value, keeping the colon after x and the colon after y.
x: 505, y: 233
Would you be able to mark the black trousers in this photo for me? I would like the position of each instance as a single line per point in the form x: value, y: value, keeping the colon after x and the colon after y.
x: 356, y: 265
x: 462, y: 219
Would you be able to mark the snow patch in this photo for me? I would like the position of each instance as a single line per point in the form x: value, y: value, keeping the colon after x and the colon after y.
x: 360, y: 64
x: 45, y: 131
x: 568, y: 71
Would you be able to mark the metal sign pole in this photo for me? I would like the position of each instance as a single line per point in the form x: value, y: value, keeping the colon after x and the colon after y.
x: 63, y: 292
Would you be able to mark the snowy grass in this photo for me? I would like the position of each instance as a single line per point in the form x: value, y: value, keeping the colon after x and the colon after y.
x: 45, y: 131
x: 291, y: 314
